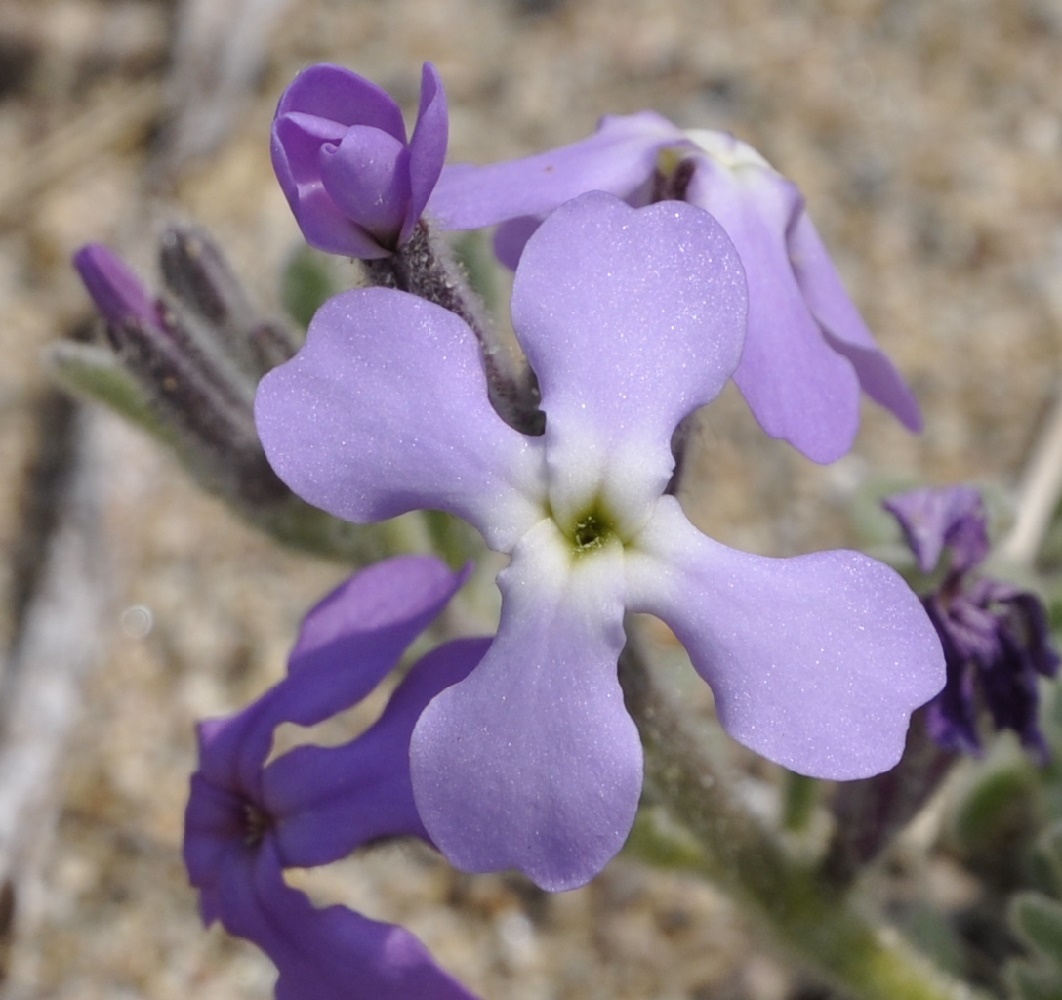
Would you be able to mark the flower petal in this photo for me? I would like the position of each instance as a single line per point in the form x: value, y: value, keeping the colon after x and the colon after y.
x: 796, y: 384
x: 331, y: 953
x: 932, y: 518
x: 619, y: 158
x: 342, y: 96
x: 816, y: 662
x: 427, y: 147
x: 844, y: 327
x: 631, y: 318
x: 385, y: 410
x: 533, y: 761
x: 367, y: 176
x: 295, y: 149
x: 326, y: 802
x: 348, y: 642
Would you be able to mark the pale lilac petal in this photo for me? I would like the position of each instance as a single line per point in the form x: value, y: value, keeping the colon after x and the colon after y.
x: 367, y: 176
x: 385, y: 410
x: 326, y: 802
x: 631, y: 318
x: 816, y: 662
x: 619, y: 157
x: 533, y: 762
x: 796, y: 384
x: 341, y: 95
x: 844, y: 327
x: 427, y: 147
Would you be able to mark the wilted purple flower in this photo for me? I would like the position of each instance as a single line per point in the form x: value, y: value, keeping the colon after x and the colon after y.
x: 339, y: 149
x: 808, y: 352
x: 996, y: 639
x: 247, y: 821
x: 631, y: 319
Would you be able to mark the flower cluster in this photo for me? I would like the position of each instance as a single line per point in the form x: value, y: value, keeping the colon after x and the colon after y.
x: 652, y: 266
x: 997, y: 644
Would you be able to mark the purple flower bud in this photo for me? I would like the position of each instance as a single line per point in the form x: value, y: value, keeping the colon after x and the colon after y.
x: 996, y: 639
x: 356, y: 185
x: 115, y: 289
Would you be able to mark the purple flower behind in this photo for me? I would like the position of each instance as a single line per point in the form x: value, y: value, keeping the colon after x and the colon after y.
x: 247, y: 821
x: 996, y: 639
x: 357, y: 187
x: 808, y: 354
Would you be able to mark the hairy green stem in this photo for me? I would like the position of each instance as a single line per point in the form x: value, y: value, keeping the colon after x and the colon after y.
x: 821, y: 926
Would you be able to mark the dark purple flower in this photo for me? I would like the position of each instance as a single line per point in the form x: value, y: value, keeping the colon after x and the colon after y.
x: 533, y: 762
x: 247, y: 821
x: 808, y: 353
x: 996, y: 639
x: 356, y: 185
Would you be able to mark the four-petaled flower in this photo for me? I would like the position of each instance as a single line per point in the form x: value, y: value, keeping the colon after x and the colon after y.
x: 997, y: 643
x: 808, y: 352
x: 339, y: 148
x: 631, y: 319
x: 247, y: 821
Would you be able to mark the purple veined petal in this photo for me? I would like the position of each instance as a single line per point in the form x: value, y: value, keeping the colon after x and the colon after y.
x: 933, y: 518
x: 816, y: 662
x: 618, y: 158
x: 533, y: 762
x: 427, y: 147
x: 342, y: 96
x: 385, y: 410
x: 367, y: 176
x: 326, y: 802
x: 631, y: 318
x: 330, y: 953
x: 844, y: 327
x: 334, y: 664
x: 796, y: 384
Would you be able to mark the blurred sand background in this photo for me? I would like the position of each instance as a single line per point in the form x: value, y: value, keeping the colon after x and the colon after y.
x: 926, y: 136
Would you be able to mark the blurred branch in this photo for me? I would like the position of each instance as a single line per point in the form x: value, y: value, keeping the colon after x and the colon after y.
x: 218, y: 54
x: 1038, y: 492
x: 61, y: 595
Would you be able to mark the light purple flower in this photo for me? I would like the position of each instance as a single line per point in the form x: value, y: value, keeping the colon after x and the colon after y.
x: 996, y: 637
x: 631, y: 319
x: 339, y: 149
x: 246, y: 821
x: 808, y: 352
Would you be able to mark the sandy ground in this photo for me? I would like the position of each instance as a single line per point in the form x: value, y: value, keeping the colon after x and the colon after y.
x: 926, y: 137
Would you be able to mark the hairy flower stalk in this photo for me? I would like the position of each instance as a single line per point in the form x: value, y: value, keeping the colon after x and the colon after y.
x: 188, y: 363
x: 825, y: 929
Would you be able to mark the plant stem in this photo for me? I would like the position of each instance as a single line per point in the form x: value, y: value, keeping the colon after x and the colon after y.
x: 823, y: 928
